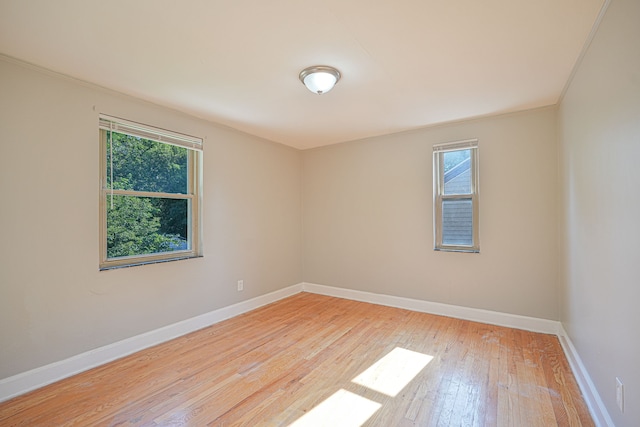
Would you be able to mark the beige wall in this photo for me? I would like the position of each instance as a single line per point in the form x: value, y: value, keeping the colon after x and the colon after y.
x: 54, y: 303
x: 366, y: 222
x: 599, y: 126
x: 368, y: 217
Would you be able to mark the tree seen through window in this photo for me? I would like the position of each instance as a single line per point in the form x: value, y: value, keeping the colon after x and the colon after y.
x: 145, y: 225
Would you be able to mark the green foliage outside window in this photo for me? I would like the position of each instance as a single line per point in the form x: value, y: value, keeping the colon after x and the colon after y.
x: 144, y: 225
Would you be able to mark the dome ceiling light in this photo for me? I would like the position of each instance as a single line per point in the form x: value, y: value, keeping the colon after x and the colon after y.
x: 319, y: 78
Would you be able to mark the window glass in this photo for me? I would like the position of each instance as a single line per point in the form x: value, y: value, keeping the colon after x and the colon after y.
x: 150, y: 196
x: 457, y: 222
x: 455, y: 174
x: 145, y: 165
x: 145, y: 225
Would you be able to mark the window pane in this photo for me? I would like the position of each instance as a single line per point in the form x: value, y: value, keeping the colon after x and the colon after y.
x: 457, y: 222
x: 457, y: 172
x: 144, y: 165
x: 145, y: 225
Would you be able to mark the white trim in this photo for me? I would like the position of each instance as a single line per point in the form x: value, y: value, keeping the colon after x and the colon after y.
x: 44, y: 375
x: 440, y: 195
x: 456, y: 145
x: 39, y: 377
x: 474, y: 314
x: 115, y: 124
x: 590, y: 393
x: 591, y: 396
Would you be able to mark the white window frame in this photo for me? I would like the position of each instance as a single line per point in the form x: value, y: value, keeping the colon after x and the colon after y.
x: 439, y: 197
x: 193, y: 194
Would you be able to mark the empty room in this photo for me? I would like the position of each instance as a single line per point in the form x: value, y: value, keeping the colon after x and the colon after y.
x: 334, y: 213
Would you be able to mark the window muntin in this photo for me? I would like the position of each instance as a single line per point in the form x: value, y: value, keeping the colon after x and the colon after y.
x: 455, y: 167
x: 150, y: 194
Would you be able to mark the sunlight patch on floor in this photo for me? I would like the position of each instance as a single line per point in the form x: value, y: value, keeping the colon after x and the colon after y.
x: 394, y: 371
x: 341, y: 409
x: 388, y: 375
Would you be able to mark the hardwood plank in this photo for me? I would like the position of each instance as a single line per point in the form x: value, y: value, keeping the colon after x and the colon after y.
x: 492, y: 337
x: 273, y: 365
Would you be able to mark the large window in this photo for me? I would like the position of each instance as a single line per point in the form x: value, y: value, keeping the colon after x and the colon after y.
x: 150, y: 194
x: 455, y: 189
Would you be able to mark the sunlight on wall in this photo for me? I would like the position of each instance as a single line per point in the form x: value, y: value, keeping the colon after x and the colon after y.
x: 394, y: 371
x: 341, y: 409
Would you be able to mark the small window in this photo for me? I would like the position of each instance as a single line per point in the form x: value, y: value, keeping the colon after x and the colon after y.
x: 455, y: 193
x: 150, y: 194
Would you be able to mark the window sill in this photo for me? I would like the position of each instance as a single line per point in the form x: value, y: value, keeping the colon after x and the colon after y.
x: 147, y: 262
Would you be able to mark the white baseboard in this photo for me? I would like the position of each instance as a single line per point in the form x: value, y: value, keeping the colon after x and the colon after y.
x: 475, y: 314
x: 39, y: 377
x: 591, y: 396
x: 44, y: 375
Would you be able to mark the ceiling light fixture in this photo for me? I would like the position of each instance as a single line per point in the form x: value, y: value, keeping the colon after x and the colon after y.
x: 319, y: 78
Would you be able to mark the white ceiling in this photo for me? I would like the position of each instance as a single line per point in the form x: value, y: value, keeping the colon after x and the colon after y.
x: 405, y: 63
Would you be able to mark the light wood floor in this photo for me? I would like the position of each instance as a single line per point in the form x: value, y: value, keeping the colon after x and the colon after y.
x: 273, y: 365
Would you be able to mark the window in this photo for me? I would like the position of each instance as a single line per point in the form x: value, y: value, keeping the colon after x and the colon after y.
x: 455, y: 193
x: 150, y: 190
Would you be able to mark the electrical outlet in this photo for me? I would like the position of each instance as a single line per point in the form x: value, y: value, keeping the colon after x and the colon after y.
x: 620, y: 394
x: 240, y: 285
